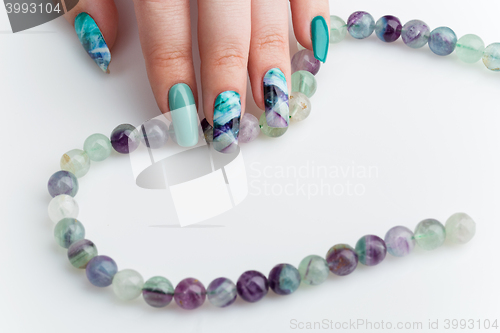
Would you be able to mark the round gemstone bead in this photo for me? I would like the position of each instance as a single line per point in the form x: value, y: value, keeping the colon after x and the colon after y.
x: 388, y: 28
x: 491, y: 57
x: 125, y: 138
x: 171, y: 132
x: 430, y: 234
x: 221, y: 292
x: 249, y: 128
x: 208, y: 130
x: 154, y: 133
x: 313, y: 270
x: 100, y: 271
x: 304, y: 82
x: 360, y: 25
x: 338, y: 29
x: 63, y: 206
x: 62, y: 182
x: 272, y: 132
x: 371, y: 250
x: 76, y: 161
x: 190, y: 294
x: 158, y: 291
x: 399, y: 241
x: 68, y: 231
x: 305, y: 61
x: 342, y: 259
x: 98, y: 147
x: 300, y: 106
x: 127, y: 284
x: 442, y: 41
x: 252, y: 286
x: 81, y: 252
x: 460, y: 228
x: 415, y: 34
x: 470, y: 48
x: 284, y: 279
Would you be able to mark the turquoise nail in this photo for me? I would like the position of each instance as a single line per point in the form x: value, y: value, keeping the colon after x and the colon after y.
x: 320, y: 38
x: 184, y: 114
x: 92, y: 40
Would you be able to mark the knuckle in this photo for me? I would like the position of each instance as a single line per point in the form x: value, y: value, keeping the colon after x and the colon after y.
x: 229, y: 56
x: 163, y: 57
x: 271, y: 40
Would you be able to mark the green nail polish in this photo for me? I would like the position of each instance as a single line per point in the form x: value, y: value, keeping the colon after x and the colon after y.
x: 320, y: 38
x: 184, y: 114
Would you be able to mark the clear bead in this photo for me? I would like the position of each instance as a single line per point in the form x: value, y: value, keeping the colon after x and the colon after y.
x: 338, y: 29
x: 63, y: 206
x: 491, y: 57
x: 430, y: 234
x: 98, y: 147
x: 127, y: 284
x: 76, y: 161
x: 300, y: 106
x: 460, y: 228
x: 304, y: 82
x: 470, y: 48
x: 273, y: 132
x: 249, y: 128
x: 156, y: 132
x: 313, y: 270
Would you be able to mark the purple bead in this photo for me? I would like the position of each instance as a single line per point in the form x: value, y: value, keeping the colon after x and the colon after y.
x: 62, y: 182
x: 342, y: 259
x: 388, y: 28
x: 125, y: 138
x: 284, y: 279
x: 221, y: 292
x: 190, y: 294
x: 249, y: 128
x: 371, y: 250
x: 252, y: 286
x: 400, y: 241
x: 101, y: 270
x: 304, y: 60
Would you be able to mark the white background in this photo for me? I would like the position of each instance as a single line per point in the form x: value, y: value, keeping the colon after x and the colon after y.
x: 429, y: 124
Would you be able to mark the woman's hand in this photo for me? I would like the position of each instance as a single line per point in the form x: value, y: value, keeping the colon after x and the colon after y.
x: 234, y: 36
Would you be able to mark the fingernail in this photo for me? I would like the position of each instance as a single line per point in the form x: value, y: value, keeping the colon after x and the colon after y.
x: 227, y: 113
x: 208, y: 130
x: 320, y: 38
x: 184, y: 114
x: 276, y: 98
x: 92, y: 40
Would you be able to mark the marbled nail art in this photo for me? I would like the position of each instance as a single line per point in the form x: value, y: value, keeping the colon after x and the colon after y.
x: 276, y: 98
x: 227, y: 112
x: 92, y: 40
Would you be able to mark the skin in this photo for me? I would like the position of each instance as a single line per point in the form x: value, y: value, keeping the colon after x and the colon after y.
x: 235, y: 38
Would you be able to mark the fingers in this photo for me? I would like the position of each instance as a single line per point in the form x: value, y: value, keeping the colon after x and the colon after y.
x: 269, y: 62
x: 96, y: 25
x: 311, y: 21
x: 224, y: 39
x: 165, y: 33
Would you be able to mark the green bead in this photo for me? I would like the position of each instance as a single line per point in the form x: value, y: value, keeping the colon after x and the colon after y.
x: 127, y: 284
x: 430, y: 234
x: 338, y: 29
x: 313, y: 270
x: 304, y: 82
x: 67, y: 231
x: 272, y: 132
x: 470, y: 48
x: 98, y: 147
x: 76, y: 161
x: 491, y: 57
x: 460, y: 228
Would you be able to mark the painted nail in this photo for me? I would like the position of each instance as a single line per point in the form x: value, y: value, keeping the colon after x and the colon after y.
x: 184, y: 114
x: 276, y: 98
x: 208, y: 130
x: 227, y: 113
x: 92, y: 40
x: 320, y: 38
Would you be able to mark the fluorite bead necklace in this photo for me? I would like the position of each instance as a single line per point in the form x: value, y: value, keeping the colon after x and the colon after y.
x: 283, y: 279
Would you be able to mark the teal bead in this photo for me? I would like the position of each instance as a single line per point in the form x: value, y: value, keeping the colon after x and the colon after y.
x: 272, y: 132
x: 491, y: 57
x: 67, y: 231
x: 430, y: 234
x: 460, y: 228
x: 98, y: 147
x: 76, y: 161
x: 304, y: 82
x: 470, y: 48
x: 338, y: 29
x: 313, y: 270
x: 127, y: 284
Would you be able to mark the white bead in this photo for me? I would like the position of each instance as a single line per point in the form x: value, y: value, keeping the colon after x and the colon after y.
x: 460, y: 228
x: 127, y: 284
x: 300, y: 106
x: 63, y: 206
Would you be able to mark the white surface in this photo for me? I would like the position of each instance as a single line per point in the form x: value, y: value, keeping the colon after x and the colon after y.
x: 424, y: 128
